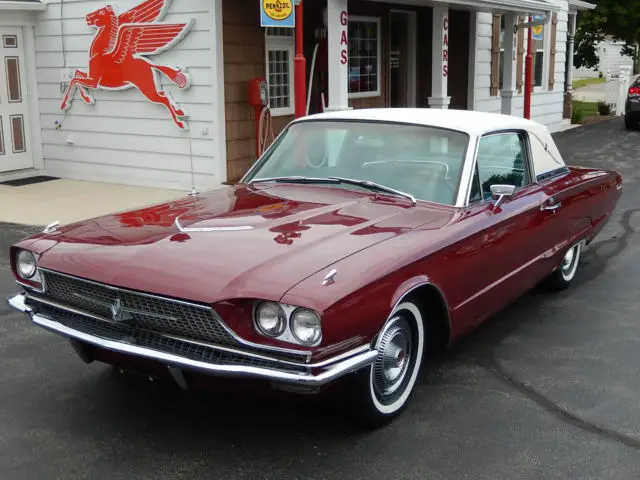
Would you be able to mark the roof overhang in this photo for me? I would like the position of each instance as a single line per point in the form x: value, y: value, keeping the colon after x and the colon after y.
x: 580, y: 5
x: 23, y: 5
x: 534, y: 7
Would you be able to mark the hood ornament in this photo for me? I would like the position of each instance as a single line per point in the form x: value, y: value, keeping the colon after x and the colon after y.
x: 51, y: 228
x: 329, y: 278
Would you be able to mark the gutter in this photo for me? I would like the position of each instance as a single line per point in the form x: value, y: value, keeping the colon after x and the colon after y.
x: 22, y: 6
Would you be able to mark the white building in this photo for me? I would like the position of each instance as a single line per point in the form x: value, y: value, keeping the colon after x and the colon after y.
x: 454, y: 54
x: 609, y: 53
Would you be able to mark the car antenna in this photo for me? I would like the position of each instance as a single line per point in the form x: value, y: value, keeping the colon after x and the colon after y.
x: 186, y: 133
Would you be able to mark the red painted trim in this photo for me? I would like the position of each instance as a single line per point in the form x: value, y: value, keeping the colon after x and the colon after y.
x: 300, y: 66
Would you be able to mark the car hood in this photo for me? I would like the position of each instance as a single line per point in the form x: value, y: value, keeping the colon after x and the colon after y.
x: 235, y: 242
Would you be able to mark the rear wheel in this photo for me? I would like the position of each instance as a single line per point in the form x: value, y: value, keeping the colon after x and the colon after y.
x: 380, y: 392
x: 563, y: 276
x: 630, y: 122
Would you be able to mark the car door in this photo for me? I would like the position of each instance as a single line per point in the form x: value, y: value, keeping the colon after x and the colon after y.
x: 501, y: 250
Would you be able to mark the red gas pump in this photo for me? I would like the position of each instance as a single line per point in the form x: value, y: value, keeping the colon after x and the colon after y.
x: 259, y: 100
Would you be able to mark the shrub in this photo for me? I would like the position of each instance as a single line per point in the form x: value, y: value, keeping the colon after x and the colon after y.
x: 577, y: 115
x: 604, y: 108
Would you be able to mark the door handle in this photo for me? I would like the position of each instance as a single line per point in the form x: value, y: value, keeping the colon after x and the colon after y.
x: 551, y: 205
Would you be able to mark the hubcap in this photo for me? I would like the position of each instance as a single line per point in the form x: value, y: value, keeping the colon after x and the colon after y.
x: 392, y: 363
x: 567, y: 262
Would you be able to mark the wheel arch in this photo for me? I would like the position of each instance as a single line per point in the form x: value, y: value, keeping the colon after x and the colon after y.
x: 427, y: 296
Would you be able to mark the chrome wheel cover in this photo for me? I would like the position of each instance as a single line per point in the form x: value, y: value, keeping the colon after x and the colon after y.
x: 392, y: 365
x: 569, y: 263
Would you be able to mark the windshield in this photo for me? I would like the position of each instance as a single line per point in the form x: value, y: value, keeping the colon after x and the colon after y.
x: 425, y: 162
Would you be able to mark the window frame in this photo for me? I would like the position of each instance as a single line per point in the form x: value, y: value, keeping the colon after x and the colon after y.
x: 378, y: 91
x: 276, y: 43
x: 528, y: 162
x: 544, y: 80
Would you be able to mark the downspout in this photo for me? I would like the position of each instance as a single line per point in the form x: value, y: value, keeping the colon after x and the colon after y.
x: 528, y: 75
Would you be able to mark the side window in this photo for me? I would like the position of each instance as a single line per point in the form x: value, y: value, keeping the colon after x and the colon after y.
x: 502, y: 159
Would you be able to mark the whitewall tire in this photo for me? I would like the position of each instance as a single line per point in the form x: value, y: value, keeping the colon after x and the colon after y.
x: 563, y: 276
x: 381, y: 391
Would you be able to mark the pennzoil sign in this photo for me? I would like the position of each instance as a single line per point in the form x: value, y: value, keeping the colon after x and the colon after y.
x: 277, y: 13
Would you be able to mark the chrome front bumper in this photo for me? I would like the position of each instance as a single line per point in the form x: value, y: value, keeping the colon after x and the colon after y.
x: 328, y: 370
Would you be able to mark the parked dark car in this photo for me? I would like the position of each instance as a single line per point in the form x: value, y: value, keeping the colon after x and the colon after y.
x: 632, y: 106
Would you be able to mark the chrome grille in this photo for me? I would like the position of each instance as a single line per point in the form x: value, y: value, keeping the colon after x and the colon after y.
x: 146, y: 311
x: 155, y: 341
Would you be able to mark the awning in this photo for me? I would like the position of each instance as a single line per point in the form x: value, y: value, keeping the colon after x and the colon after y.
x: 534, y: 7
x: 22, y: 5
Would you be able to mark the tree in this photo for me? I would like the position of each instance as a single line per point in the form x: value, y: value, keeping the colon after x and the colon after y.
x: 618, y: 18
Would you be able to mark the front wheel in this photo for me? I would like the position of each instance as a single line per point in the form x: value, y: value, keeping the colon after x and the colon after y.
x: 562, y: 277
x: 381, y: 391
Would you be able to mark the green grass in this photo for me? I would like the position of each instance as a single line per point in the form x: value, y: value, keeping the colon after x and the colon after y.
x: 583, y: 82
x: 588, y: 108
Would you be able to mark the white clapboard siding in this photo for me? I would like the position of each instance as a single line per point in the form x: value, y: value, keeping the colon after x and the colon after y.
x: 123, y: 137
x: 546, y: 105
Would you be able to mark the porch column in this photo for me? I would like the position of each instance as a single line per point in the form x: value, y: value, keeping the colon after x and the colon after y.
x: 568, y: 91
x: 338, y: 54
x: 509, y: 72
x: 440, y: 59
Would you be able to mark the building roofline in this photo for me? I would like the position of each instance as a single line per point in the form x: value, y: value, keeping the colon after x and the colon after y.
x: 36, y: 5
x: 581, y: 5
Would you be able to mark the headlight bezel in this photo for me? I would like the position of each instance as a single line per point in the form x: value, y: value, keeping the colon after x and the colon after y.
x: 20, y: 262
x: 35, y: 281
x: 287, y: 335
x: 281, y: 314
x: 302, y: 310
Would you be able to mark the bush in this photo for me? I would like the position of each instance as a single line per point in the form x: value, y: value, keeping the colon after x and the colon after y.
x: 604, y: 108
x: 577, y: 115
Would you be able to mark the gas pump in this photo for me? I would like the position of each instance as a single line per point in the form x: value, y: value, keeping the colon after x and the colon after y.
x: 259, y: 100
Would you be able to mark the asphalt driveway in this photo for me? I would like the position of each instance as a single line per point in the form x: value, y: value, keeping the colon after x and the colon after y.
x: 550, y: 388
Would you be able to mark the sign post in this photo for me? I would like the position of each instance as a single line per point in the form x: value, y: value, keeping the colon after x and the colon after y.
x: 535, y: 28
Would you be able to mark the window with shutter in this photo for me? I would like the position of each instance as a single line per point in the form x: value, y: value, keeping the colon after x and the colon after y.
x: 495, y: 56
x: 552, y: 50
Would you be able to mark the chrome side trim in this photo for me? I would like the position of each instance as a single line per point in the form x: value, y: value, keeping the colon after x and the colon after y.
x: 336, y: 371
x: 301, y: 353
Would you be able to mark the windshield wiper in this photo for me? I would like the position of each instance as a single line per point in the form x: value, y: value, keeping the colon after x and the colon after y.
x: 334, y: 180
x: 294, y: 179
x: 375, y: 186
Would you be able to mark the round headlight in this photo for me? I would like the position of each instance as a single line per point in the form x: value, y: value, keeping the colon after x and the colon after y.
x: 26, y: 264
x: 271, y: 319
x: 305, y: 326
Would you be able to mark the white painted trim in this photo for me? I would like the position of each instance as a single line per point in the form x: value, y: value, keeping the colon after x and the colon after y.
x: 378, y: 92
x: 471, y: 75
x: 580, y: 5
x: 412, y: 76
x: 24, y: 6
x: 290, y: 49
x: 533, y: 7
x: 219, y: 128
x: 35, y: 127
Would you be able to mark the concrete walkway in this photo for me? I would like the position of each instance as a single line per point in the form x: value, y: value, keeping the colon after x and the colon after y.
x: 68, y: 201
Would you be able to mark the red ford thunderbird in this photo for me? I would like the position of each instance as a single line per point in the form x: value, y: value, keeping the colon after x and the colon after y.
x: 357, y: 244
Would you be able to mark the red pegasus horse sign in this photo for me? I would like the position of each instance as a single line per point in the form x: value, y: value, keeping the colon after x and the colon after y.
x: 117, y: 58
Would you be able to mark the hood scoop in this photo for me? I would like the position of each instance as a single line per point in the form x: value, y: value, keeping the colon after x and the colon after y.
x: 228, y: 228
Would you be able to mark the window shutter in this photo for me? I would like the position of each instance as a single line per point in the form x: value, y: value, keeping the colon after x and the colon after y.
x: 495, y: 55
x: 552, y: 50
x: 520, y: 57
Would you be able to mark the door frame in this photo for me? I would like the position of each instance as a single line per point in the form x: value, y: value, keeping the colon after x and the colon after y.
x: 412, y: 75
x: 26, y: 21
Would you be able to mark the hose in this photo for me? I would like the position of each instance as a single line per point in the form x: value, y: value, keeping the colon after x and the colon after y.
x: 266, y: 134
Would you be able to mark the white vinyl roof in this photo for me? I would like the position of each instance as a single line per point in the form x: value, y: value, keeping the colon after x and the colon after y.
x: 471, y: 122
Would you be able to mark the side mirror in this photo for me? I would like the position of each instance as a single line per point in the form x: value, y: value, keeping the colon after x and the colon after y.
x: 502, y: 192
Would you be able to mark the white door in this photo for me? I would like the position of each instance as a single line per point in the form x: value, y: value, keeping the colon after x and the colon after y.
x: 15, y: 148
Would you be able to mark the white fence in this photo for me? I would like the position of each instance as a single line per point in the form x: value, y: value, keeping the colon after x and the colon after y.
x: 616, y: 90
